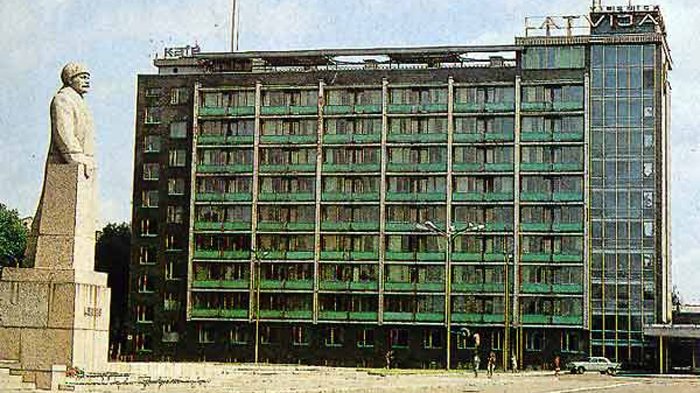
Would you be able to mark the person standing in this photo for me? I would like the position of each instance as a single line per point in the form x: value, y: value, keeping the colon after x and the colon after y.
x: 476, y: 362
x: 557, y: 366
x: 514, y: 364
x: 491, y: 364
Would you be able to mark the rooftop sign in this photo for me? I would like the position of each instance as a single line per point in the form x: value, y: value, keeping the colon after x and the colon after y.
x: 182, y: 51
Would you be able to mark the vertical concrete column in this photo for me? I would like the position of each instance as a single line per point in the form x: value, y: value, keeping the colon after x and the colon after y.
x: 319, y: 184
x: 586, y: 203
x: 448, y: 219
x: 382, y: 199
x: 516, y: 206
x: 193, y: 197
x: 254, y: 207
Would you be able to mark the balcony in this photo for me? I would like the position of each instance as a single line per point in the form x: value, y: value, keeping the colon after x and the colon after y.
x: 348, y: 285
x: 352, y: 138
x: 417, y: 197
x: 234, y: 168
x: 349, y: 226
x: 536, y: 287
x: 224, y: 140
x: 220, y: 284
x: 567, y: 288
x: 348, y: 315
x: 219, y: 313
x: 534, y: 196
x: 289, y: 110
x: 536, y: 319
x: 422, y: 137
x: 467, y: 137
x: 349, y: 196
x: 288, y: 167
x: 488, y: 287
x: 228, y: 197
x: 287, y: 284
x: 350, y: 255
x: 286, y: 314
x: 477, y: 318
x: 535, y: 227
x: 411, y: 317
x: 491, y: 107
x: 567, y: 319
x: 535, y: 136
x: 567, y: 227
x: 459, y: 256
x: 479, y: 196
x: 499, y: 137
x: 567, y: 196
x: 288, y: 139
x: 287, y: 197
x: 352, y: 168
x: 218, y: 254
x: 349, y: 109
x: 393, y: 286
x: 417, y: 108
x: 410, y: 167
x: 221, y: 226
x: 227, y: 111
x: 285, y: 226
x: 536, y: 167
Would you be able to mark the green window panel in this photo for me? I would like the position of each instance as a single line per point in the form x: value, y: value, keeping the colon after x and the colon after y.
x: 238, y: 197
x: 499, y: 106
x: 430, y: 256
x: 234, y: 314
x: 397, y: 226
x: 208, y: 226
x: 298, y: 197
x: 204, y: 313
x: 535, y: 227
x: 333, y: 315
x: 275, y: 255
x: 398, y: 316
x: 429, y: 317
x: 270, y: 226
x: 469, y: 167
x: 466, y: 257
x: 568, y: 167
x: 299, y: 284
x: 433, y: 108
x: 574, y: 257
x: 402, y: 108
x: 288, y: 138
x: 494, y: 257
x: 567, y: 106
x: 468, y: 107
x: 494, y: 318
x: 301, y: 255
x: 499, y: 227
x: 499, y: 167
x: 568, y: 136
x: 363, y: 316
x: 337, y: 109
x: 425, y: 196
x: 361, y: 109
x: 365, y: 226
x: 337, y: 138
x: 493, y: 287
x: 535, y: 106
x: 274, y: 110
x: 364, y: 255
x: 536, y: 319
x: 536, y: 257
x: 366, y: 138
x: 211, y: 139
x: 467, y: 287
x: 227, y: 284
x: 333, y: 285
x: 567, y: 320
x: 536, y: 287
x: 277, y: 314
x: 271, y: 284
x: 567, y: 197
x: 298, y: 314
x: 467, y: 317
x: 498, y: 137
x: 241, y: 111
x: 335, y: 226
x: 364, y: 285
x: 300, y: 226
x: 535, y: 167
x: 207, y: 254
x: 426, y: 137
x: 236, y: 255
x: 430, y: 287
x: 211, y: 169
x: 567, y: 288
x: 468, y: 137
x: 357, y: 168
x: 399, y: 286
x: 335, y: 255
x: 237, y: 226
x: 535, y: 136
x: 568, y: 227
x: 535, y: 197
x: 498, y: 196
x: 468, y: 196
x: 212, y: 111
x: 288, y: 168
x: 400, y: 256
x: 335, y: 196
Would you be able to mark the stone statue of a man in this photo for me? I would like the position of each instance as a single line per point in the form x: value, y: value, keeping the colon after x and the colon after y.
x: 63, y: 231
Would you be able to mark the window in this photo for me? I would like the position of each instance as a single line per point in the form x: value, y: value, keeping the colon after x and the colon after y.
x: 170, y: 270
x: 179, y: 95
x: 151, y: 144
x: 176, y: 186
x: 432, y: 338
x: 149, y: 228
x: 145, y: 284
x: 398, y: 338
x: 149, y: 198
x: 205, y: 334
x: 534, y: 341
x: 177, y: 158
x: 171, y: 302
x: 154, y: 91
x: 169, y: 336
x: 554, y: 57
x: 334, y: 337
x: 238, y: 335
x: 153, y: 115
x: 175, y: 214
x: 178, y: 130
x: 147, y: 255
x: 300, y: 336
x: 171, y: 243
x: 144, y: 314
x: 269, y: 335
x: 151, y: 171
x: 142, y: 342
x: 365, y: 338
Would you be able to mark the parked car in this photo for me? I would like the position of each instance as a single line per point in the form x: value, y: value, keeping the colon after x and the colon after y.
x: 600, y: 364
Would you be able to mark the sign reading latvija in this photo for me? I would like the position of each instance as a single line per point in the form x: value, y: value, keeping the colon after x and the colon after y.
x: 608, y: 19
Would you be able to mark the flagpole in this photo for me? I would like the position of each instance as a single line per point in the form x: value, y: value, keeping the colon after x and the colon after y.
x: 234, y: 26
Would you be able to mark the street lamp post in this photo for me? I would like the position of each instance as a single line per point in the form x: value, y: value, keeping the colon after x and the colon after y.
x: 257, y: 258
x: 449, y: 234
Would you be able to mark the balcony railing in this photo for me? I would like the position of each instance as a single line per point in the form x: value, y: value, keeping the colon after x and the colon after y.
x: 548, y: 106
x: 469, y: 107
x: 227, y: 111
x: 477, y: 318
x: 227, y: 197
x: 421, y: 137
x: 478, y: 196
x: 219, y: 313
x: 288, y: 167
x: 357, y: 168
x: 287, y: 284
x: 289, y: 110
x: 487, y: 287
x: 417, y: 108
x: 233, y: 168
x: 349, y: 226
x: 352, y: 138
x: 350, y: 196
x: 286, y: 314
x: 285, y: 226
x: 221, y: 226
x: 219, y: 254
x: 220, y: 284
x: 349, y: 255
x: 409, y: 167
x: 348, y: 315
x: 393, y: 286
x: 418, y: 197
x: 224, y: 140
x: 348, y: 285
x: 347, y: 109
x: 289, y: 197
x: 294, y: 139
x: 413, y: 317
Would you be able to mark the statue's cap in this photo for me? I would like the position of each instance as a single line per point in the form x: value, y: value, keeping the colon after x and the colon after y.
x: 72, y: 70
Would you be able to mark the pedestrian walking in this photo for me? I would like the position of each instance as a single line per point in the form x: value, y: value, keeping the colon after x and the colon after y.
x: 389, y: 357
x: 491, y: 364
x: 514, y: 364
x: 476, y: 362
x: 557, y: 366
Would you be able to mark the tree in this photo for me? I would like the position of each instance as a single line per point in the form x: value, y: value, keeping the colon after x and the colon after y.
x: 13, y: 237
x: 112, y: 254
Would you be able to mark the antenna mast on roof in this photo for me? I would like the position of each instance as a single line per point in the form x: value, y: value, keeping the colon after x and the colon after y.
x: 234, y: 26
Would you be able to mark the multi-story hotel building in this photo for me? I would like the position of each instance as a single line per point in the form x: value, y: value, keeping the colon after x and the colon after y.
x: 277, y: 197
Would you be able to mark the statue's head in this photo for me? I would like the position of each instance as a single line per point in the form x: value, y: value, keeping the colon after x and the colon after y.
x: 76, y: 76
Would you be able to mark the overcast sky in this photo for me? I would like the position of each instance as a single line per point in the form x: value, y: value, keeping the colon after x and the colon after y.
x: 118, y: 39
